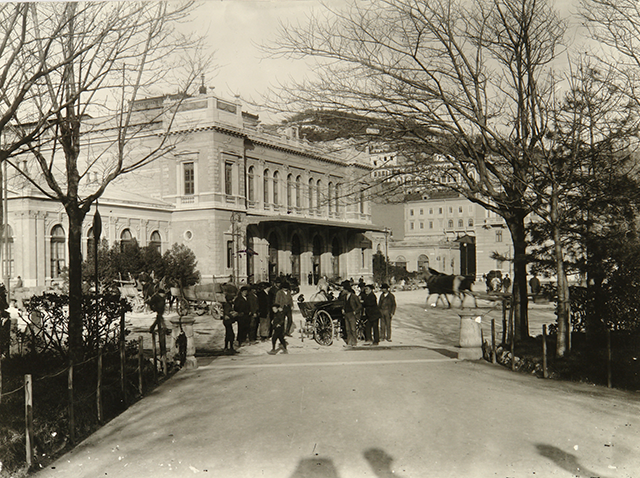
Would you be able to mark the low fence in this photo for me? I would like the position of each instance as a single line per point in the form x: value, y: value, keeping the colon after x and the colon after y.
x: 130, y: 376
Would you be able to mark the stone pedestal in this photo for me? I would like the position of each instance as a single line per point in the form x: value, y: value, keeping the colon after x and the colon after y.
x: 470, y: 338
x: 186, y: 323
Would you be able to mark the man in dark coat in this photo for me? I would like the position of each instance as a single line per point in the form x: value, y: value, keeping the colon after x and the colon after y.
x: 351, y: 310
x: 243, y: 308
x: 372, y: 315
x: 387, y: 304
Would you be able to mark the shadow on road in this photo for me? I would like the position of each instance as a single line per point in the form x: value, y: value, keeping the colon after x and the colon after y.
x: 379, y: 461
x: 565, y: 460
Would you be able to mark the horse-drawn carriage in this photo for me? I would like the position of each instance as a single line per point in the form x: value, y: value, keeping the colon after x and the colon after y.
x: 200, y: 298
x: 323, y: 321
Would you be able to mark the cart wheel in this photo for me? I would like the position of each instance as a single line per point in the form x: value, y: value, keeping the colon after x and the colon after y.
x: 360, y: 326
x: 201, y: 308
x: 183, y: 307
x: 323, y: 328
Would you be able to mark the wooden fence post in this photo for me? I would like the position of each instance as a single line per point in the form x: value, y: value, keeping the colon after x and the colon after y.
x: 99, y: 387
x: 122, y: 358
x: 154, y: 351
x: 545, y: 370
x: 72, y: 420
x: 504, y: 321
x: 28, y: 417
x: 609, y: 384
x: 512, y: 332
x: 493, y: 341
x: 140, y: 352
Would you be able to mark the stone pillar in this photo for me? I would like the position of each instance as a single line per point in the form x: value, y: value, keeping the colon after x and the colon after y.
x: 470, y: 337
x: 187, y: 326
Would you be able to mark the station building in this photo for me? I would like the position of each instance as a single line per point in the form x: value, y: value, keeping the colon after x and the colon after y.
x: 250, y: 204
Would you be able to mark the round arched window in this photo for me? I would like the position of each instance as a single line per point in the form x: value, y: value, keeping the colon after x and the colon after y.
x: 58, y: 238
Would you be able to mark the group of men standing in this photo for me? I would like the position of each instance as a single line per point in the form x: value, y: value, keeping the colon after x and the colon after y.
x: 376, y: 313
x: 260, y: 311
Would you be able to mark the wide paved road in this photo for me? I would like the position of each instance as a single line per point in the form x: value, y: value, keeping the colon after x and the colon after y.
x: 402, y: 412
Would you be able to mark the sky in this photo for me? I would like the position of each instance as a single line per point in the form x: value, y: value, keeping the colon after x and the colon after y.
x: 234, y: 29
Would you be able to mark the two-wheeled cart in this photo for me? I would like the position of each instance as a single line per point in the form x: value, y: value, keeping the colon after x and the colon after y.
x: 324, y: 321
x: 201, y: 299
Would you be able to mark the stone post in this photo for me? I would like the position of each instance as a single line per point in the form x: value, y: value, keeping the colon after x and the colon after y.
x: 187, y: 326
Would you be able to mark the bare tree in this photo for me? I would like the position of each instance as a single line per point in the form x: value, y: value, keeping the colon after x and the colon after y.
x: 465, y: 85
x: 112, y: 54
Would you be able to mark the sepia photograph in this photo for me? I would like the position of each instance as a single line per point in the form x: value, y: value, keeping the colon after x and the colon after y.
x: 320, y: 239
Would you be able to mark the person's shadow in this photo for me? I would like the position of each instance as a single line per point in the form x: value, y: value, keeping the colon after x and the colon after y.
x: 564, y: 460
x: 380, y: 462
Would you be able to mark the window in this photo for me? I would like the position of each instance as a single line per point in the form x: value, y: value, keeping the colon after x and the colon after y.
x: 498, y: 236
x: 430, y: 210
x: 410, y: 212
x: 189, y: 179
x: 298, y: 191
x: 229, y: 254
x: 459, y: 209
x: 450, y: 210
x: 421, y: 212
x: 276, y: 185
x: 430, y: 224
x: 338, y: 194
x: 265, y: 186
x: 330, y: 193
x: 470, y: 222
x: 450, y: 223
x: 318, y: 195
x: 126, y: 240
x: 460, y: 223
x: 310, y: 194
x: 9, y: 240
x: 155, y: 242
x: 228, y: 178
x: 411, y: 226
x: 57, y: 251
x: 439, y: 210
x: 251, y: 193
x: 289, y: 188
x: 361, y: 200
x: 421, y: 225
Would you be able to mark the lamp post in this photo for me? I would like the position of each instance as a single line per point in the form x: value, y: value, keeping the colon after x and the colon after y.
x: 236, y: 221
x: 386, y: 254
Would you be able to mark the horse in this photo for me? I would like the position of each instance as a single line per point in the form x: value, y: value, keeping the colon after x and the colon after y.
x: 443, y: 284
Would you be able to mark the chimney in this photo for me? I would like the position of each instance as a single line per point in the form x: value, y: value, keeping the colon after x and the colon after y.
x: 203, y: 89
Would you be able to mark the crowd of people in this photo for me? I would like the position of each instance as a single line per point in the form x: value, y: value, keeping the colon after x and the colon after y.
x: 264, y: 311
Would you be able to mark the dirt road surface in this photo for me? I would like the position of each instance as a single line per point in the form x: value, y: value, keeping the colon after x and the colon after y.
x: 408, y: 408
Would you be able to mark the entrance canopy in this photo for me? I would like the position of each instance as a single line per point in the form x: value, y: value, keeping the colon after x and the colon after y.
x: 311, y: 221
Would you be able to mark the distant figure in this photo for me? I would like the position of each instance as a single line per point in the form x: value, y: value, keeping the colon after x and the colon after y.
x: 534, y: 283
x: 506, y: 283
x: 18, y: 282
x: 278, y: 326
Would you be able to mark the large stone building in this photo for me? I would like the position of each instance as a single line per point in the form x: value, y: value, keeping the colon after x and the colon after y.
x: 249, y: 204
x: 448, y: 233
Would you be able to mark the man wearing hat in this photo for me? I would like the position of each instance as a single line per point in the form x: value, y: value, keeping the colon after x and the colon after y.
x: 284, y: 300
x: 372, y: 314
x: 351, y: 309
x: 243, y: 308
x: 387, y: 304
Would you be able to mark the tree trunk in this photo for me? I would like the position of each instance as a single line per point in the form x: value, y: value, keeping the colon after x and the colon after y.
x: 76, y: 314
x: 563, y: 344
x: 520, y: 301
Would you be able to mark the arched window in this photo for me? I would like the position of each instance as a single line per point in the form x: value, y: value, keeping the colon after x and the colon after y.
x: 460, y: 223
x: 450, y: 223
x: 298, y: 191
x: 361, y: 200
x: 338, y: 194
x: 276, y: 180
x: 57, y: 251
x: 251, y: 192
x: 470, y: 222
x: 318, y: 196
x: 126, y: 240
x: 265, y: 187
x: 289, y: 191
x: 330, y: 193
x: 155, y: 242
x: 9, y: 252
x: 311, y: 194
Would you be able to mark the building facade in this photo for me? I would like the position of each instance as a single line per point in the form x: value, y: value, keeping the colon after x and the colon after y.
x: 249, y: 204
x: 451, y: 234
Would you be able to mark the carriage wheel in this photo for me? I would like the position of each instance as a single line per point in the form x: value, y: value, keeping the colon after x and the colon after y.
x: 323, y: 328
x: 361, y: 323
x: 183, y: 307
